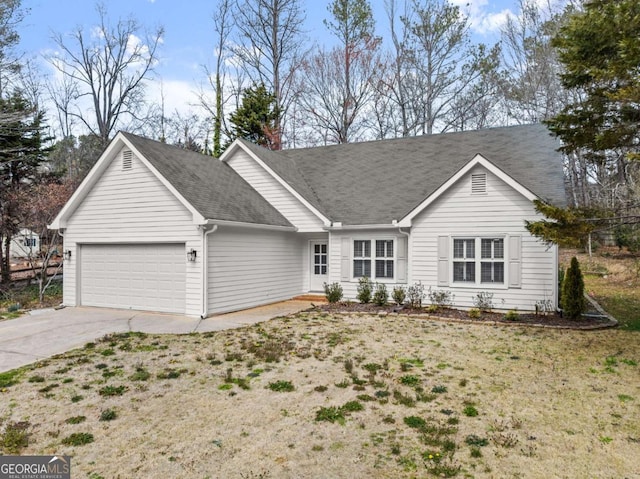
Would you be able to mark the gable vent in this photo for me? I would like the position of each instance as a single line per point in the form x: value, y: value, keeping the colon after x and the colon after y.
x: 479, y: 184
x: 127, y: 159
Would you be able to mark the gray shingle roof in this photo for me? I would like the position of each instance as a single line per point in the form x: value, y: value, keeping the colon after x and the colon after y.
x: 214, y: 189
x: 378, y: 181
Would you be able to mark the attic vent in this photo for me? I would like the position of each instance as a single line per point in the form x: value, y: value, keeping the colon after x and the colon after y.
x: 479, y: 184
x: 127, y: 159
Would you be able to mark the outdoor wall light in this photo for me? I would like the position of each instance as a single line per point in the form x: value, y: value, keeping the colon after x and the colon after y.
x: 191, y: 255
x: 67, y: 254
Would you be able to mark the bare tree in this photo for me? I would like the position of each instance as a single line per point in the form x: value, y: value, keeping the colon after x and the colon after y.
x: 270, y: 38
x: 11, y: 14
x: 109, y: 67
x: 531, y: 89
x: 446, y: 63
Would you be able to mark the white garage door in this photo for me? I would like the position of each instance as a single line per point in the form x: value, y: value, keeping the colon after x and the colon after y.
x: 147, y: 277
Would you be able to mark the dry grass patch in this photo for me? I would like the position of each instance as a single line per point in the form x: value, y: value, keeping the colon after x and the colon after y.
x: 315, y: 395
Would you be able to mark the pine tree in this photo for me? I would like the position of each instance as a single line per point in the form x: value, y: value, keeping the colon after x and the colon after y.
x: 573, y: 301
x: 255, y: 120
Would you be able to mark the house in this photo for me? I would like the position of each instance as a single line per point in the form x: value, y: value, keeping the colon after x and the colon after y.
x: 155, y: 227
x: 25, y: 244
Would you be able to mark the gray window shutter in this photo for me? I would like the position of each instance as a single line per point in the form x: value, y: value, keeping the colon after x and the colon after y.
x: 401, y: 257
x: 515, y: 261
x: 345, y: 260
x: 443, y: 261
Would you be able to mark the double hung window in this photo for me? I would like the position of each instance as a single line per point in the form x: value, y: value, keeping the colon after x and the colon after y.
x: 478, y: 258
x: 379, y: 252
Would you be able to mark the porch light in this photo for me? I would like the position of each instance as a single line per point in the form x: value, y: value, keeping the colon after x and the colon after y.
x: 67, y: 254
x: 191, y: 255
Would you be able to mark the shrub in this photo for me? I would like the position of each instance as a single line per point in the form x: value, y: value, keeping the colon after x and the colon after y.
x: 474, y: 313
x: 365, y: 288
x: 441, y: 298
x: 415, y: 295
x: 333, y: 292
x: 470, y: 411
x: 512, y: 315
x: 399, y: 295
x: 483, y: 301
x: 381, y: 296
x: 573, y: 302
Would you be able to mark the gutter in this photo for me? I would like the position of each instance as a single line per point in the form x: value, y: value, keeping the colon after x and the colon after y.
x: 240, y: 224
x: 205, y: 269
x: 341, y: 227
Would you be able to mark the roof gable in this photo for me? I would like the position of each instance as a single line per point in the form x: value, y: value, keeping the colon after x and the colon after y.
x: 380, y: 181
x: 209, y: 189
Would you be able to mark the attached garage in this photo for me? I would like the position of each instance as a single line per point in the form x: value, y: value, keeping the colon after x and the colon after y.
x: 148, y: 277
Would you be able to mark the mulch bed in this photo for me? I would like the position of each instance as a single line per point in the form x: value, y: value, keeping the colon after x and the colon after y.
x: 593, y: 319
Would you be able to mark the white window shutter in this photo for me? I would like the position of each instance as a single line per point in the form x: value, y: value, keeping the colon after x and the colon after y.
x: 401, y: 257
x: 443, y: 261
x: 515, y: 261
x: 345, y: 260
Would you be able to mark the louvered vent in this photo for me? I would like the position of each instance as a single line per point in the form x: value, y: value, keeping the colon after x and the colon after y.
x: 127, y: 159
x: 479, y: 184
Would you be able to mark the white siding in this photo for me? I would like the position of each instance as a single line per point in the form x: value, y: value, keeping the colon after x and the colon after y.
x: 276, y: 194
x: 249, y: 267
x: 132, y: 206
x: 501, y: 211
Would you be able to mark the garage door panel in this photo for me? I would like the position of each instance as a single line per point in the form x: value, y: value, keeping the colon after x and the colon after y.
x: 146, y: 277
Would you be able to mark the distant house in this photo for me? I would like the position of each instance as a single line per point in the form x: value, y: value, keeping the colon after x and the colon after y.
x: 26, y: 244
x: 154, y: 227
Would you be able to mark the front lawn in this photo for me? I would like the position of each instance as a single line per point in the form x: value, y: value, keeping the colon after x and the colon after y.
x: 321, y: 395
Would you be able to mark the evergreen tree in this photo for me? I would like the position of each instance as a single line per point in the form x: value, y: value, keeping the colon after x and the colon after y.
x: 21, y: 154
x: 255, y: 120
x: 573, y: 301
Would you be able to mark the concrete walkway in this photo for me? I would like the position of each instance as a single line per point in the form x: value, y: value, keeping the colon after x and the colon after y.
x: 43, y: 333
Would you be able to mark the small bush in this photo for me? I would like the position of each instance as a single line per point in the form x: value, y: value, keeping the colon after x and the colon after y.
x: 333, y: 292
x: 108, y: 415
x: 573, y: 301
x: 474, y: 313
x: 512, y: 315
x: 78, y: 439
x: 483, y: 301
x: 365, y: 289
x: 381, y: 295
x: 415, y: 295
x: 398, y: 295
x: 441, y: 298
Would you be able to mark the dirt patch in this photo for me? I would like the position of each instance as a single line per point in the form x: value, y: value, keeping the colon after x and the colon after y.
x: 318, y: 395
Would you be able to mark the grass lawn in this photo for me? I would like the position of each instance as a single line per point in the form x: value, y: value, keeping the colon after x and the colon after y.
x: 352, y: 396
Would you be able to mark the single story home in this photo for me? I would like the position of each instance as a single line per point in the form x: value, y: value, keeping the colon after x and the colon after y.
x: 155, y: 227
x: 25, y: 244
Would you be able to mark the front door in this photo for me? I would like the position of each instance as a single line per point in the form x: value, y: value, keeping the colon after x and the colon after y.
x: 318, y: 256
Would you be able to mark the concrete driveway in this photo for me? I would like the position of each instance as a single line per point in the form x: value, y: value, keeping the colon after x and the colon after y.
x: 43, y: 333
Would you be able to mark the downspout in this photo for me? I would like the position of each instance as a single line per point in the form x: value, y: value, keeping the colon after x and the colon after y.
x: 205, y: 269
x: 407, y: 235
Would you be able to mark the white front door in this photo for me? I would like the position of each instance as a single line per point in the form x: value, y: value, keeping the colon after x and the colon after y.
x: 319, y: 265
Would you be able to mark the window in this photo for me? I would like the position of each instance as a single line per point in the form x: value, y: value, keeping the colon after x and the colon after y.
x: 483, y: 255
x: 382, y: 258
x: 464, y: 264
x: 320, y: 259
x: 29, y: 242
x: 492, y: 261
x: 361, y: 258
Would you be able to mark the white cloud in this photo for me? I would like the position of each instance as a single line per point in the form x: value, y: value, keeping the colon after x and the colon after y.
x: 493, y: 22
x: 178, y: 95
x: 481, y: 19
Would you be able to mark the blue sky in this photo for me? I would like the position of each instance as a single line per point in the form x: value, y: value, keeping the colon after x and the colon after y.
x: 189, y: 36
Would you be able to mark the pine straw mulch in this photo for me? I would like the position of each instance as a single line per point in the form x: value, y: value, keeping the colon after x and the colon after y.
x: 594, y: 318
